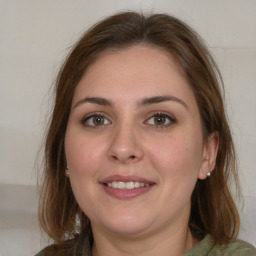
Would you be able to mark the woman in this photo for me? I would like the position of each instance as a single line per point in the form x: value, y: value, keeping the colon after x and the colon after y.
x: 139, y: 153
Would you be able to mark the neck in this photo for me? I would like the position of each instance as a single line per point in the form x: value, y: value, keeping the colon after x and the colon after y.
x: 170, y: 244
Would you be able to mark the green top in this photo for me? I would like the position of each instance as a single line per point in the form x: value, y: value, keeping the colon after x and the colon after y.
x: 205, y: 248
x: 235, y: 248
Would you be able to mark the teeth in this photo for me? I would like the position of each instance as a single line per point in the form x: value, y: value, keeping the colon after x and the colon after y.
x: 120, y: 185
x: 136, y: 184
x: 129, y: 185
x: 114, y: 184
x: 126, y: 185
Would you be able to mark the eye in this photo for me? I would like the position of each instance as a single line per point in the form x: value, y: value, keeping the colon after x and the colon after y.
x: 160, y: 120
x: 95, y: 120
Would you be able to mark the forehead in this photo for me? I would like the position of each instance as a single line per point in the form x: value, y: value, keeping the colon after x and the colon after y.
x: 134, y: 72
x: 143, y: 55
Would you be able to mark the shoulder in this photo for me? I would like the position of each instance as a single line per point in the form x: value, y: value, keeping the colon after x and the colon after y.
x: 79, y: 245
x: 48, y: 251
x: 235, y: 247
x: 67, y: 248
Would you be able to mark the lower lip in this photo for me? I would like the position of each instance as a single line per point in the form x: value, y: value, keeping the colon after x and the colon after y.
x: 126, y: 193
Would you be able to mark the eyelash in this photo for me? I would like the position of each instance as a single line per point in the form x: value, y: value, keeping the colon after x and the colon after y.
x: 171, y: 120
x: 86, y: 119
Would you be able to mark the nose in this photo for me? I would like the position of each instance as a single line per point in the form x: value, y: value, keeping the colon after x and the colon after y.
x: 126, y: 145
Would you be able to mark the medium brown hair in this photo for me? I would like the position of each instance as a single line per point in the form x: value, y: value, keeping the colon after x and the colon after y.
x: 212, y: 208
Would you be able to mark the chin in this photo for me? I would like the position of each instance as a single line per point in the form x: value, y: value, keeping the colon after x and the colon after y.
x: 128, y: 230
x: 127, y: 225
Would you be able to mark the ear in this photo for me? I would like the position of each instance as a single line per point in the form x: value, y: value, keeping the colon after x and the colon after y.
x: 210, y: 151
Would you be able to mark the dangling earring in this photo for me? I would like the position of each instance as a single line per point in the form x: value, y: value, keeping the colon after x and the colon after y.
x: 208, y: 174
x: 67, y: 172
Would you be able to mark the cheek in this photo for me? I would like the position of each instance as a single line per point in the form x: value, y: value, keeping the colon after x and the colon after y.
x: 83, y: 158
x: 83, y: 154
x: 177, y: 158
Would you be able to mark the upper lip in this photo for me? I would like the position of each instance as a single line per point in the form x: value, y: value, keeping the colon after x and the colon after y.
x: 128, y: 178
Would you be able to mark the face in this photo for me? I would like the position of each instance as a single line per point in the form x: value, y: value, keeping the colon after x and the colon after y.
x: 134, y: 142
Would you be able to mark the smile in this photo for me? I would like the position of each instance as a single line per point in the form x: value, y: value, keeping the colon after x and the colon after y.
x: 126, y: 185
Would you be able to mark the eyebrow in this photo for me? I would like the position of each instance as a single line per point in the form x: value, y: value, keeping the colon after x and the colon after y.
x: 94, y: 100
x: 144, y: 102
x: 159, y: 99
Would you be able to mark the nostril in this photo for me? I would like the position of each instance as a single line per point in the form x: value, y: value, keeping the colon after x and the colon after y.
x: 114, y: 157
x: 123, y: 157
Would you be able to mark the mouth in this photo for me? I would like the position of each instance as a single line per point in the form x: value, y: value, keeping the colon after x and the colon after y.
x: 126, y: 187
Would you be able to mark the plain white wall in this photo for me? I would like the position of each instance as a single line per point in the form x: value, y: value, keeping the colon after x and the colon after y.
x: 36, y: 35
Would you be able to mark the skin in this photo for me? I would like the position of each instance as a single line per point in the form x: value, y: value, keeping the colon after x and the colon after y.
x: 130, y: 140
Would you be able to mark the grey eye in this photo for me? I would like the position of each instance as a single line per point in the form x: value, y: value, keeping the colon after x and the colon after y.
x: 160, y: 120
x: 96, y: 120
